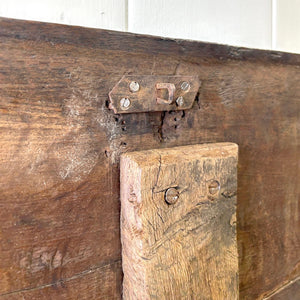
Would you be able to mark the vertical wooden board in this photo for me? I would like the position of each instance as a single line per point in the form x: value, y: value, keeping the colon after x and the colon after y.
x: 188, y: 249
x: 99, y: 283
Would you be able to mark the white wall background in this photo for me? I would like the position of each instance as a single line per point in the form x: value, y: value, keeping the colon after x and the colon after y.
x: 265, y: 24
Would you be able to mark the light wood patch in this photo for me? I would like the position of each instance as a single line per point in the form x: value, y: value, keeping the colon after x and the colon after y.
x: 188, y: 249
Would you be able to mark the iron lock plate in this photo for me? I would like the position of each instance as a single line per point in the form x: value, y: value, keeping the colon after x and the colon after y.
x: 145, y: 93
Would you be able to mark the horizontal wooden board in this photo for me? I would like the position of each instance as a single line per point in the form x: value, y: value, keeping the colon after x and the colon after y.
x: 60, y: 148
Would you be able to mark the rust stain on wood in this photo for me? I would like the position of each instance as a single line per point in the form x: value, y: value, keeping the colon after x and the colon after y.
x: 154, y: 93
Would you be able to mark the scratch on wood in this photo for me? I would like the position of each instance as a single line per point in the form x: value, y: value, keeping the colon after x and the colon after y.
x: 280, y: 288
x: 62, y: 281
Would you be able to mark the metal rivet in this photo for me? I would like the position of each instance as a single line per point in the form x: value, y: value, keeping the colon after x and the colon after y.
x: 185, y: 86
x: 213, y: 187
x: 180, y: 101
x: 134, y: 86
x: 125, y: 103
x: 171, y: 195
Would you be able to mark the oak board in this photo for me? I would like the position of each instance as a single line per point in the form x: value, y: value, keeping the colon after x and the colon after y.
x: 178, y: 223
x: 60, y: 147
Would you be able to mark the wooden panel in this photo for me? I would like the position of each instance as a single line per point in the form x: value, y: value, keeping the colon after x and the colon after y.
x: 60, y: 147
x: 286, y: 25
x: 100, y: 283
x: 108, y: 14
x: 246, y: 23
x: 180, y: 246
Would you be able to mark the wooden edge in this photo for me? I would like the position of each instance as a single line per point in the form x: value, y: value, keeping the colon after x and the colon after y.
x: 130, y: 42
x: 212, y: 150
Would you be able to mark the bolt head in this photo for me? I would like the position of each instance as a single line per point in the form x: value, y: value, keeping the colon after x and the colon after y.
x: 180, y: 101
x: 134, y: 86
x: 185, y: 86
x: 125, y: 103
x: 171, y: 196
x: 213, y: 187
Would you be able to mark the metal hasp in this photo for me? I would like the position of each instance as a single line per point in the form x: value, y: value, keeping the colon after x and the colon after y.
x: 144, y: 93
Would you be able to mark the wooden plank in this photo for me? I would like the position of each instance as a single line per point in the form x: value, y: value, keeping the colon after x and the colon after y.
x: 287, y: 291
x: 105, y: 14
x: 99, y: 283
x: 247, y: 24
x: 181, y: 245
x: 60, y: 147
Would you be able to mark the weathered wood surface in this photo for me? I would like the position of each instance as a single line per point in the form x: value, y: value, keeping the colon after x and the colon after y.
x: 289, y: 291
x: 99, y: 283
x: 186, y: 249
x: 60, y: 148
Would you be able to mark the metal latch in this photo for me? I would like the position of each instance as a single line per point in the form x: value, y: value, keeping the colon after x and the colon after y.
x: 144, y: 93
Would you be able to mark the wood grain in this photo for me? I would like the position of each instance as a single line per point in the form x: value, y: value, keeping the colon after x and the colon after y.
x: 90, y: 284
x: 60, y: 147
x: 187, y: 249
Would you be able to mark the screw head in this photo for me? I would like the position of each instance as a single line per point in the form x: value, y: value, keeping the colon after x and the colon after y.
x: 185, y: 86
x: 180, y: 101
x: 213, y: 187
x: 125, y: 103
x: 134, y: 86
x: 171, y: 196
